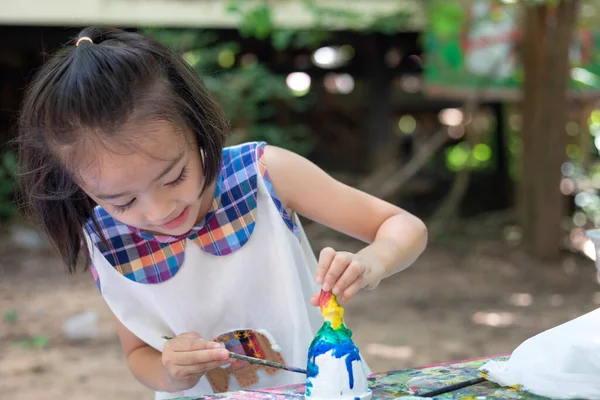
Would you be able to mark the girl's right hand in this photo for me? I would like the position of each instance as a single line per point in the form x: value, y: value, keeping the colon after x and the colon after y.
x: 187, y: 357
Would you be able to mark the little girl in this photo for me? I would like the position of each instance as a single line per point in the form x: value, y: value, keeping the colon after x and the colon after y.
x: 123, y: 162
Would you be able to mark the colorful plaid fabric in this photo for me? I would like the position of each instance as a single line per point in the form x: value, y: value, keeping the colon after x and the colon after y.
x: 229, y: 227
x: 145, y: 258
x: 143, y: 261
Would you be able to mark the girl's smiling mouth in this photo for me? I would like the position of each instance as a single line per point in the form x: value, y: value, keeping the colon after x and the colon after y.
x: 177, y: 221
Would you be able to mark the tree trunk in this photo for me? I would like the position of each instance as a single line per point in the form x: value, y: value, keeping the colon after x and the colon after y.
x: 502, y: 175
x: 548, y: 31
x: 383, y: 142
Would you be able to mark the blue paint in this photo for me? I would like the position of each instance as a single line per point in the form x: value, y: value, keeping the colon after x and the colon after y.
x: 339, y: 342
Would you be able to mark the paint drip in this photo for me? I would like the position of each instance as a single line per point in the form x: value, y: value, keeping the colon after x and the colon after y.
x: 335, y: 368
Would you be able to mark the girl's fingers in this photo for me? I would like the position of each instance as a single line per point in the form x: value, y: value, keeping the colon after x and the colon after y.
x: 337, y: 267
x: 352, y: 290
x: 190, y: 343
x: 325, y: 258
x: 202, y: 357
x: 349, y: 276
x: 185, y: 371
x: 189, y: 335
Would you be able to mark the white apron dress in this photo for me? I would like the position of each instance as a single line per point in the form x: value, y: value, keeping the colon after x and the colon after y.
x: 243, y: 276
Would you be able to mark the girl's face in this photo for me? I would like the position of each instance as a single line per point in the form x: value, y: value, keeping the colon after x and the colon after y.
x: 157, y: 186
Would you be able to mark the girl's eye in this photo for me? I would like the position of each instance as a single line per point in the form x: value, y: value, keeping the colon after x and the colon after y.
x: 179, y: 179
x: 124, y: 207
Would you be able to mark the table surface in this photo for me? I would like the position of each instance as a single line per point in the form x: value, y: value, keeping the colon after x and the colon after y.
x: 406, y: 382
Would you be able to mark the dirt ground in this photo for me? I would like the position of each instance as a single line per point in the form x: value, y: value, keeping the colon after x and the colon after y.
x: 472, y: 296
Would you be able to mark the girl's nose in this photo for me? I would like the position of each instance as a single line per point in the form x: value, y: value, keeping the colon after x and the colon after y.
x: 159, y: 211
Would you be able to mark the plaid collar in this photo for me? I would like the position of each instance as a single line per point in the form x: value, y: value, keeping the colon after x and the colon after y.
x: 147, y: 258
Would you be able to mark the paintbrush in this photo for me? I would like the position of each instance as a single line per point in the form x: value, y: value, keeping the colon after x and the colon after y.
x: 266, y: 363
x: 260, y: 361
x: 451, y: 388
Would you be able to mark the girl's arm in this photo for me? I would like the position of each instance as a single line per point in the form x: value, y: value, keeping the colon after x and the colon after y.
x: 180, y: 366
x: 395, y: 237
x: 145, y: 363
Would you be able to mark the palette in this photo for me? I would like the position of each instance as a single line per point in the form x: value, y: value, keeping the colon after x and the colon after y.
x: 406, y: 383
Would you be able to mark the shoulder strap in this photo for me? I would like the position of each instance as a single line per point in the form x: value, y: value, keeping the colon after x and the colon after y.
x: 285, y: 214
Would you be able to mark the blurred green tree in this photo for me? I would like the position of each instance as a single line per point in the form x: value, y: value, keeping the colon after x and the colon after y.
x: 548, y: 26
x: 233, y: 80
x: 232, y: 76
x: 8, y: 185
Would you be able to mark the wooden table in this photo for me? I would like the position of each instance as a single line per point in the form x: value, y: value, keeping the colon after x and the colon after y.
x: 406, y: 382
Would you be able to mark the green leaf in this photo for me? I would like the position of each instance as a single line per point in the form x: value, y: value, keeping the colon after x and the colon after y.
x: 452, y: 54
x: 7, y: 209
x: 233, y: 6
x: 446, y: 18
x: 9, y: 161
x: 457, y: 156
x: 7, y: 188
x: 282, y: 38
x: 311, y: 39
x: 257, y: 22
x: 264, y: 25
x: 40, y: 341
x: 10, y: 317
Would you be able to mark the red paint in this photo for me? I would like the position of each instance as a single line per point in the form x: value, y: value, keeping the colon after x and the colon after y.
x: 324, y: 298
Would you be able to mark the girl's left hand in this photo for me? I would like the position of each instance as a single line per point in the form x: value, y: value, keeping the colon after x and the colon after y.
x: 345, y: 274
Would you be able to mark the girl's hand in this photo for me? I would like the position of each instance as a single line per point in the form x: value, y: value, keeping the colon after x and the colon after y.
x: 187, y: 357
x: 346, y: 273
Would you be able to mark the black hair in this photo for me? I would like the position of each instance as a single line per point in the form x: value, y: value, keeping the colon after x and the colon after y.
x: 89, y: 90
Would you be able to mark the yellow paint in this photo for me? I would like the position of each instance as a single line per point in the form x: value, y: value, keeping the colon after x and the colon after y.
x: 469, y: 397
x: 333, y: 312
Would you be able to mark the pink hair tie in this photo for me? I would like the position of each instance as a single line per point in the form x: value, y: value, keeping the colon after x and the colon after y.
x: 84, y: 38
